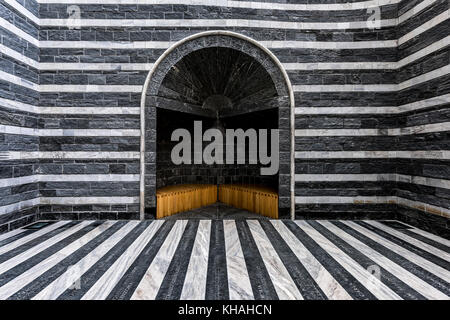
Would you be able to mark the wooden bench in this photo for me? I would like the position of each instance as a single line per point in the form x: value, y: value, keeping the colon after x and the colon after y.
x: 256, y: 199
x: 174, y: 199
x: 178, y: 198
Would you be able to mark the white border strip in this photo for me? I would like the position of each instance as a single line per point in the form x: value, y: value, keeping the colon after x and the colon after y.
x: 241, y: 4
x: 17, y: 105
x: 288, y: 66
x: 420, y: 129
x: 419, y: 154
x: 375, y: 199
x: 417, y: 105
x: 70, y: 132
x: 89, y: 200
x: 297, y: 88
x: 19, y: 206
x: 391, y: 177
x: 8, y: 182
x: 34, y: 155
x: 214, y: 23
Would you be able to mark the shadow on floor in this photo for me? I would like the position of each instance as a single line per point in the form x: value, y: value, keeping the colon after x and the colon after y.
x: 217, y: 211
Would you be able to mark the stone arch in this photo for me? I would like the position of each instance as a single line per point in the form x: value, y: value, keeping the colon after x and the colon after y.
x: 155, y: 77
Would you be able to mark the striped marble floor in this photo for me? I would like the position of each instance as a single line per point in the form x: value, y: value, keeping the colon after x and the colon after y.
x: 230, y: 259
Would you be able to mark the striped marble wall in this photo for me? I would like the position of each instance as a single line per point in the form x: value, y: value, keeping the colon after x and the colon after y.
x: 371, y: 103
x: 19, y: 189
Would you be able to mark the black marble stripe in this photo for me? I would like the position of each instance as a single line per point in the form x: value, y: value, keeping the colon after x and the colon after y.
x: 18, y: 236
x: 35, y: 242
x: 426, y: 240
x: 94, y: 273
x: 398, y: 286
x: 172, y: 285
x: 309, y: 289
x: 262, y: 286
x: 126, y: 286
x: 418, y: 271
x: 217, y: 276
x: 355, y: 289
x: 408, y: 246
x: 41, y: 256
x: 36, y: 286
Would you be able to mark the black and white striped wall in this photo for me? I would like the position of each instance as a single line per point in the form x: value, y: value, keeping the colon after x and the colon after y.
x: 371, y: 104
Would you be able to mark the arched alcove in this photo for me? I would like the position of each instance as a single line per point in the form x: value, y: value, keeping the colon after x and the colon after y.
x: 216, y: 75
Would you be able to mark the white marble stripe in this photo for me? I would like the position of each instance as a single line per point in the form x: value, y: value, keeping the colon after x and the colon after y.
x: 341, y: 199
x: 88, y: 110
x: 11, y: 263
x: 217, y: 23
x: 89, y: 200
x: 150, y: 283
x: 27, y: 155
x: 244, y: 4
x: 432, y: 182
x: 23, y: 11
x: 411, y: 256
x: 88, y: 177
x: 422, y: 245
x: 297, y: 88
x: 271, y: 44
x: 239, y: 286
x: 436, y: 73
x: 417, y: 105
x: 7, y: 77
x: 402, y: 274
x: 431, y: 236
x: 332, y: 289
x: 421, y: 104
x: 106, y: 283
x: 64, y: 281
x: 194, y: 287
x: 423, y: 206
x: 10, y: 246
x: 420, y: 129
x: 70, y: 132
x: 415, y: 10
x: 376, y: 287
x: 424, y: 27
x: 306, y: 66
x: 375, y: 199
x: 31, y: 274
x: 17, y: 105
x: 5, y: 24
x: 10, y: 234
x: 95, y: 66
x: 418, y: 154
x: 18, y: 205
x: 89, y: 88
x: 435, y: 46
x: 19, y: 56
x: 280, y: 277
x: 8, y: 182
x: 248, y: 4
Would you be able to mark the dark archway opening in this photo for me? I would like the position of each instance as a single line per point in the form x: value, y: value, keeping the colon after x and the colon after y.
x: 224, y: 89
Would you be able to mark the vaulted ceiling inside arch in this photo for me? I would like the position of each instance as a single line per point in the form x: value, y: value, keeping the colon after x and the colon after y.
x: 219, y: 81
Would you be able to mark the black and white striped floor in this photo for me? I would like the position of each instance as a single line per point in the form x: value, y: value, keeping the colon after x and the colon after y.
x: 229, y: 259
